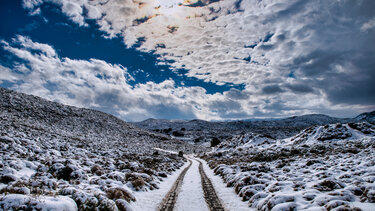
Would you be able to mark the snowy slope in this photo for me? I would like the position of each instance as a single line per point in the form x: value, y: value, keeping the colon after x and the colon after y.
x: 368, y: 117
x: 61, y: 157
x: 248, y: 140
x: 25, y: 112
x: 335, y: 132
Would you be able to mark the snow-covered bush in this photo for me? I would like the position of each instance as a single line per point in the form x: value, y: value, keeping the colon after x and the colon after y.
x: 323, y: 167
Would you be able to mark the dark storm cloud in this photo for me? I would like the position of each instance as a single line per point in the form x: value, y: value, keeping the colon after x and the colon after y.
x: 356, y: 86
x: 170, y: 111
x: 236, y: 94
x: 299, y: 88
x: 227, y: 108
x: 272, y: 89
x: 340, y: 58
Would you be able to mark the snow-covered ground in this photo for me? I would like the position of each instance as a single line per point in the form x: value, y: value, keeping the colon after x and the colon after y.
x: 150, y: 200
x: 52, y: 154
x: 324, y: 167
x: 191, y: 195
x: 44, y: 203
x: 228, y: 197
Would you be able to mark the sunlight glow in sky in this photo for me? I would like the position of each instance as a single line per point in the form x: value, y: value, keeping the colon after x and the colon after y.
x: 189, y: 59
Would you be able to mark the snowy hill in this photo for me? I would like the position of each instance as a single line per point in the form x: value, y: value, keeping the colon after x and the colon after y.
x: 335, y: 132
x: 24, y: 112
x: 240, y: 142
x: 195, y: 131
x: 61, y: 157
x: 369, y: 117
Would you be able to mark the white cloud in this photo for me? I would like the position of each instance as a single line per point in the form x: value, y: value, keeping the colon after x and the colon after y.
x: 368, y: 25
x: 97, y: 84
x: 212, y: 41
x: 31, y: 4
x: 260, y: 44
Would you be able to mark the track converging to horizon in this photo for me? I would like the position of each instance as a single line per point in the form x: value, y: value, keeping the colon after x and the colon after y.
x: 192, y: 189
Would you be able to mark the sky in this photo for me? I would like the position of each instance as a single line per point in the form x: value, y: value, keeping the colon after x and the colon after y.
x: 193, y: 59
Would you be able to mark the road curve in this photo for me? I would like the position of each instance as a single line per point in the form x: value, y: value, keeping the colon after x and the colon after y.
x: 170, y: 199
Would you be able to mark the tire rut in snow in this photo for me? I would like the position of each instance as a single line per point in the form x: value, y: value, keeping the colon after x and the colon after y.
x: 170, y: 199
x: 210, y: 195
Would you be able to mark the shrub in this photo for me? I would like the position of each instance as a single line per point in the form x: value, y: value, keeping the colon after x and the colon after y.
x: 177, y: 134
x: 120, y: 193
x: 97, y: 170
x: 196, y: 140
x: 7, y: 179
x: 138, y: 183
x: 123, y: 205
x: 214, y: 142
x: 65, y: 173
x: 327, y: 185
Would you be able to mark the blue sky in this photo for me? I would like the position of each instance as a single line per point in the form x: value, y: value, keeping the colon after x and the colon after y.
x: 76, y: 42
x: 213, y: 60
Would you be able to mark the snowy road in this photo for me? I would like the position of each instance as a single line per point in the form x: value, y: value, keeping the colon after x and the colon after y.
x: 191, y: 196
x: 197, y: 191
x: 184, y: 191
x: 169, y: 200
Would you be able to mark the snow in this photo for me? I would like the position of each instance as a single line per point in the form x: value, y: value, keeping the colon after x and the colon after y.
x: 228, y: 197
x: 164, y: 150
x: 149, y: 201
x: 191, y: 195
x: 43, y: 203
x: 364, y: 206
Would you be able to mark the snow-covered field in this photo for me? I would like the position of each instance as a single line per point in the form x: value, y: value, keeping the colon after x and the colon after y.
x: 66, y: 158
x: 91, y: 178
x: 324, y: 167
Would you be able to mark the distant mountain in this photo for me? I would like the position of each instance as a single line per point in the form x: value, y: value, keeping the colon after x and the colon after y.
x: 201, y: 131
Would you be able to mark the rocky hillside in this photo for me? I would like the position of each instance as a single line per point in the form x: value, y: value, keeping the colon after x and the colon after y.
x: 58, y: 157
x: 42, y: 118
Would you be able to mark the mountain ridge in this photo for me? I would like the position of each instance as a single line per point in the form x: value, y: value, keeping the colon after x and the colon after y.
x: 196, y: 129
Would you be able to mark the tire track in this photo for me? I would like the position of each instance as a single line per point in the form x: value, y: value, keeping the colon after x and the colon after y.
x: 213, y: 202
x: 170, y: 199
